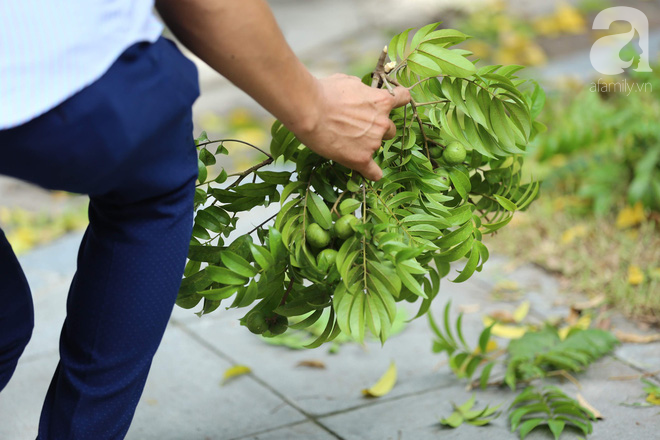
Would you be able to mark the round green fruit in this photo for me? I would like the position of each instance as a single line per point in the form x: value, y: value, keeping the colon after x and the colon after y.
x: 317, y: 237
x: 279, y: 326
x: 454, y: 153
x: 435, y: 152
x: 256, y: 323
x: 344, y: 227
x: 326, y: 258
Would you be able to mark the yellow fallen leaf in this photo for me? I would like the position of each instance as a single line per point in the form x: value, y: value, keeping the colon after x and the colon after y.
x: 236, y: 370
x: 312, y: 363
x: 653, y: 399
x: 384, y: 384
x: 490, y: 347
x: 505, y: 331
x: 583, y: 402
x: 583, y: 323
x: 635, y: 275
x: 521, y: 311
x: 630, y: 216
x: 570, y: 20
x: 635, y: 338
x: 571, y: 234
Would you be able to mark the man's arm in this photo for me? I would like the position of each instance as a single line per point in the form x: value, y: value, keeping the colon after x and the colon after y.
x: 338, y: 117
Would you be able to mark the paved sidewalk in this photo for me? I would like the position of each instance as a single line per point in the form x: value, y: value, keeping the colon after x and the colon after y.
x: 183, y: 398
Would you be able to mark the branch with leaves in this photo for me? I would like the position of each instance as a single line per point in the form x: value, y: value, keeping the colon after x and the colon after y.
x: 355, y: 248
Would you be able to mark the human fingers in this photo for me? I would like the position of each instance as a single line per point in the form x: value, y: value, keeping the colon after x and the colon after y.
x: 401, y: 97
x: 391, y: 131
x: 371, y: 171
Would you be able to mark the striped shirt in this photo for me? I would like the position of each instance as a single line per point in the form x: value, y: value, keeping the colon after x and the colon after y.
x: 51, y: 49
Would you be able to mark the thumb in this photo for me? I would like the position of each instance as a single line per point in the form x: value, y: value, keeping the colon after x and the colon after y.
x: 372, y: 171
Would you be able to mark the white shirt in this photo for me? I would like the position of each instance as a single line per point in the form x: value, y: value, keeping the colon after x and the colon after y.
x: 51, y: 49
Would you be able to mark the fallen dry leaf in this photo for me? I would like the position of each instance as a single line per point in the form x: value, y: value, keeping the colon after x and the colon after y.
x: 503, y: 316
x: 505, y: 331
x: 384, y: 384
x: 311, y: 363
x: 635, y: 338
x: 590, y: 304
x: 521, y: 311
x: 236, y: 370
x: 630, y: 216
x: 635, y: 276
x: 583, y: 402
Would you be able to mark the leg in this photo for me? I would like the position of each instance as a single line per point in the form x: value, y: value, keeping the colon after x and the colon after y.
x: 16, y: 313
x: 129, y: 268
x: 127, y: 141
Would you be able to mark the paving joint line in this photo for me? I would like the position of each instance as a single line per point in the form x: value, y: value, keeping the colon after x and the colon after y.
x: 381, y: 401
x: 203, y: 342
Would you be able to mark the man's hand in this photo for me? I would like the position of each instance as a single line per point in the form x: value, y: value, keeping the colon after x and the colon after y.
x: 339, y: 117
x: 351, y: 120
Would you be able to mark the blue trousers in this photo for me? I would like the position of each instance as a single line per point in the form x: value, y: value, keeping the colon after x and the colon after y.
x: 127, y: 142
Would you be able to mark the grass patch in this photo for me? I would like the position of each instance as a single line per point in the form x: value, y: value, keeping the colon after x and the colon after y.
x: 591, y: 255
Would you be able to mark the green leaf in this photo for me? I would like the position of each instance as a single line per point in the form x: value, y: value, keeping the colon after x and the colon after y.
x: 485, y: 375
x: 423, y: 65
x: 460, y: 181
x: 262, y: 257
x: 319, y: 210
x: 450, y: 61
x: 349, y: 206
x: 208, y: 221
x: 505, y: 203
x: 410, y: 282
x: 237, y: 264
x: 527, y: 426
x: 556, y: 426
x: 224, y: 276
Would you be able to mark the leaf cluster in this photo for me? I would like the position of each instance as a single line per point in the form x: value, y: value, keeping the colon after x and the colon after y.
x: 549, y: 407
x: 424, y: 214
x: 463, y: 360
x: 537, y: 353
x: 465, y: 414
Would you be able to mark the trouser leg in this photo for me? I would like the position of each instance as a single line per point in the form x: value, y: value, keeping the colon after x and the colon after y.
x: 129, y: 268
x: 16, y: 312
x: 127, y: 142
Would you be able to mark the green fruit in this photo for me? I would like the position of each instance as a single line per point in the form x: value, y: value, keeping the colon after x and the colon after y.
x: 344, y: 227
x: 442, y: 174
x: 326, y: 258
x: 279, y: 326
x: 256, y: 323
x: 317, y: 237
x: 454, y: 153
x: 435, y: 152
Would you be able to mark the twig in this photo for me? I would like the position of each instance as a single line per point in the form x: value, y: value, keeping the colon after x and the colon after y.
x: 250, y: 170
x: 286, y: 293
x: 222, y: 141
x: 334, y: 206
x: 262, y: 223
x: 380, y: 68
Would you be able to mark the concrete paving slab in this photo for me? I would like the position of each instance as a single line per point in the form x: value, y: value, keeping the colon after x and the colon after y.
x: 416, y: 417
x: 338, y: 386
x: 609, y: 396
x: 300, y: 431
x: 22, y: 399
x: 183, y: 398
